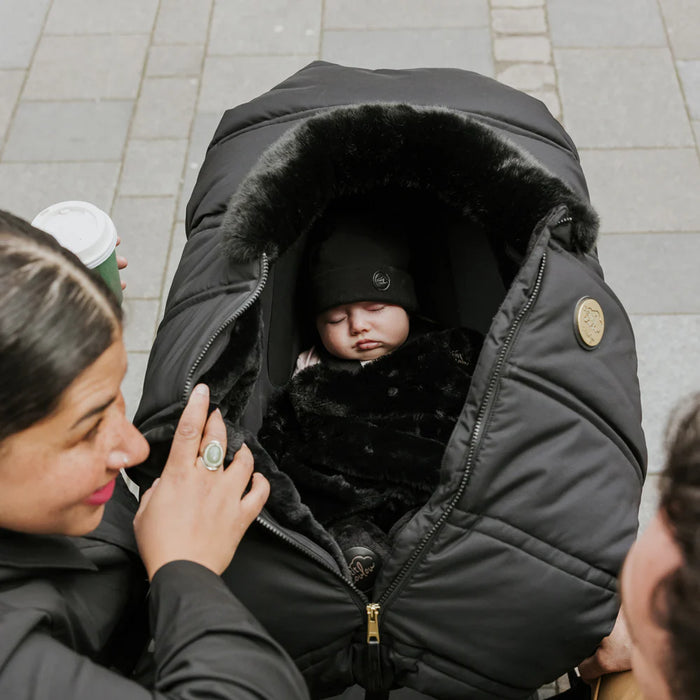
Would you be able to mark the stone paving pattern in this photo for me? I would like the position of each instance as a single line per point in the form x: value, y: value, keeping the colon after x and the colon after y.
x: 115, y: 101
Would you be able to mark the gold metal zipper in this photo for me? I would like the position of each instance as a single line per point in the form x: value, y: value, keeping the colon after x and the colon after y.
x: 373, y: 623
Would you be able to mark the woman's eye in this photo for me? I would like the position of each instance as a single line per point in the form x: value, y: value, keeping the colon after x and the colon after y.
x: 335, y: 321
x: 92, y: 433
x: 376, y: 308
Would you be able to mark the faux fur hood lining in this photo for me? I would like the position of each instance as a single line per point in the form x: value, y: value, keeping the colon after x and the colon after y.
x: 354, y: 150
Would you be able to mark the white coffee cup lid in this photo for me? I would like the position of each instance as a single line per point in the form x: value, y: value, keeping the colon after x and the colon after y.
x: 81, y: 227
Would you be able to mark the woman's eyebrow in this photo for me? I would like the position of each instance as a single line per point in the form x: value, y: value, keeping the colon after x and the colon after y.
x: 93, y: 411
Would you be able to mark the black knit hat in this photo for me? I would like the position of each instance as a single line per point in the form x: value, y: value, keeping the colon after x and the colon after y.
x: 363, y: 257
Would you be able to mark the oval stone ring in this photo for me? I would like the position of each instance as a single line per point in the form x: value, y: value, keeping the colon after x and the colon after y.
x: 213, y: 455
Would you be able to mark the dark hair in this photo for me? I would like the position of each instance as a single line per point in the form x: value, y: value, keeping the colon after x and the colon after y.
x: 680, y: 502
x: 56, y: 319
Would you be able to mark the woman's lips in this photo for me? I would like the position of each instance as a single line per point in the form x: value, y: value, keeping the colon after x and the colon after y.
x: 102, y: 495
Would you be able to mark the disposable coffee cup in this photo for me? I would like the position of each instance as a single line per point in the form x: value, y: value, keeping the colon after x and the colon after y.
x: 88, y: 232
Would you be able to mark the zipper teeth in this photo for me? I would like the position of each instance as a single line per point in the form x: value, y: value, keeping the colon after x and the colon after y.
x: 276, y: 531
x: 264, y: 272
x: 476, y: 437
x: 565, y: 220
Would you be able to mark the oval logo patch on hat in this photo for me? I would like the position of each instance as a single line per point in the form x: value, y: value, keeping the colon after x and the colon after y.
x: 381, y: 280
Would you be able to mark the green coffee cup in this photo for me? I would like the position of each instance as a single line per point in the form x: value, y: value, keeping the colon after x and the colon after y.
x: 88, y: 232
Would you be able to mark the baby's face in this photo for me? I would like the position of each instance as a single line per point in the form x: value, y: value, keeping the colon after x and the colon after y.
x: 364, y: 330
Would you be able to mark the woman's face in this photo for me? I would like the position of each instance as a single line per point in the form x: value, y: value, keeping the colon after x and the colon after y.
x: 652, y: 557
x: 57, y: 475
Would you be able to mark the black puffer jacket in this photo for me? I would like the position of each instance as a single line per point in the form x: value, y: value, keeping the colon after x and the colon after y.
x: 505, y: 578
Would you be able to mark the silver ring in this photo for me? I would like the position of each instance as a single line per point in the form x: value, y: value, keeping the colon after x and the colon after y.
x: 213, y: 455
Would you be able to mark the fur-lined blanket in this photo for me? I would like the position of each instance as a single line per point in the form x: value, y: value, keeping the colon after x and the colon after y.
x: 363, y: 445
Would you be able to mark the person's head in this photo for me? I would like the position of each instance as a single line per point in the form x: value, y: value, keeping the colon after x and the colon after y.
x: 661, y: 577
x: 63, y: 431
x: 361, y: 289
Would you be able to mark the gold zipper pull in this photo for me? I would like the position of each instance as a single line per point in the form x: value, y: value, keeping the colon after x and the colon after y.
x: 373, y: 623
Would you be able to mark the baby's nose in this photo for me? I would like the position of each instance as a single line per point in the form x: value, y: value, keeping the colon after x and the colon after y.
x: 358, y: 323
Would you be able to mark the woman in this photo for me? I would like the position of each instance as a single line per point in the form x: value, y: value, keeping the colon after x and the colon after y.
x: 67, y: 603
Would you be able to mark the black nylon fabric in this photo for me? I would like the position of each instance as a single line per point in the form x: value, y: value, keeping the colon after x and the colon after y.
x: 506, y: 577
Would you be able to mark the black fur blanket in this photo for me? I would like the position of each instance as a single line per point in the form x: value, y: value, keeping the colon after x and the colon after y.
x: 363, y: 446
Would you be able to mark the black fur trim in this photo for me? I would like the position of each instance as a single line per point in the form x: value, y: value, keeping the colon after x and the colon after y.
x: 357, y: 149
x: 364, y: 447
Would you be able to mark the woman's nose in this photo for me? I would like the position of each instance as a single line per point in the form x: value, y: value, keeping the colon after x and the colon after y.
x: 132, y: 448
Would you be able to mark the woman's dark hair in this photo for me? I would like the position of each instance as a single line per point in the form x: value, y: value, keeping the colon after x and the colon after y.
x: 56, y: 319
x: 680, y: 591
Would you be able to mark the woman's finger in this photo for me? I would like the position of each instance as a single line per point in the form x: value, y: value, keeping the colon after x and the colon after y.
x: 252, y: 503
x: 188, y: 435
x: 146, y: 497
x: 214, y: 431
x: 241, y: 468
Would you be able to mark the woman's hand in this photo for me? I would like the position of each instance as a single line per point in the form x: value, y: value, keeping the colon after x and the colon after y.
x: 614, y: 653
x: 191, y: 513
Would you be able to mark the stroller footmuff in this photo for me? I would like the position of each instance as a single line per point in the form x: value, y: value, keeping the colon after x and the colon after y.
x: 503, y: 576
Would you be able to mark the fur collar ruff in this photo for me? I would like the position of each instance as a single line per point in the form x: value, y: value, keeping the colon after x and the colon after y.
x: 353, y: 150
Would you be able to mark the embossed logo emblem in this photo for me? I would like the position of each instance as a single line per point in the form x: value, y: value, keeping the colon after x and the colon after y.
x: 363, y: 565
x: 589, y: 322
x: 361, y: 568
x: 381, y: 280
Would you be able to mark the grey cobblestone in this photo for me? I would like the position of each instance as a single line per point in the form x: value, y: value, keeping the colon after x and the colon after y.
x: 517, y: 3
x: 101, y: 16
x: 689, y: 72
x: 175, y: 60
x: 530, y: 21
x: 269, y: 28
x: 27, y: 188
x: 644, y: 189
x: 82, y: 131
x: 228, y: 81
x: 662, y: 383
x: 182, y: 22
x: 411, y: 48
x: 140, y: 317
x: 605, y: 23
x: 630, y: 118
x: 529, y: 49
x: 417, y: 14
x: 144, y: 224
x: 639, y: 266
x: 683, y: 24
x: 20, y: 26
x: 165, y: 108
x: 58, y: 71
x: 10, y: 86
x: 153, y: 167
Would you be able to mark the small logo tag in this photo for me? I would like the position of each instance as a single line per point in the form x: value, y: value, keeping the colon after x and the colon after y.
x: 589, y: 322
x: 381, y: 280
x: 363, y: 566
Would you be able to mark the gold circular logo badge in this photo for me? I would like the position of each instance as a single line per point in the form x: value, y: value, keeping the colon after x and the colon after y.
x: 590, y: 322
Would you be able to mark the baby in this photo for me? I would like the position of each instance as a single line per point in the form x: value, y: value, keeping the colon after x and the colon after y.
x: 361, y: 291
x: 362, y: 425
